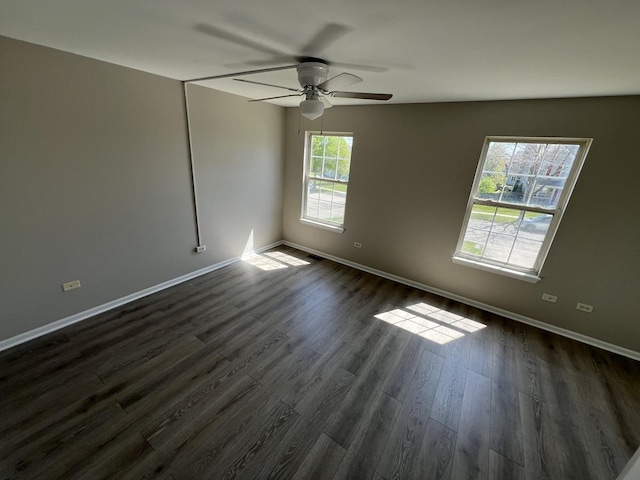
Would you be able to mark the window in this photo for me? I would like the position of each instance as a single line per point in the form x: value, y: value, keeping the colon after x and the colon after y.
x: 520, y: 191
x: 326, y: 179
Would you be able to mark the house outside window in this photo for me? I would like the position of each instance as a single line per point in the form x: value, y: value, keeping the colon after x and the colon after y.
x: 326, y: 179
x: 521, y: 189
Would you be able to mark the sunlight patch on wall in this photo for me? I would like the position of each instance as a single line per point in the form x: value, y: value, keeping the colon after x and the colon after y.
x: 273, y: 260
x: 431, y: 322
x: 248, y: 248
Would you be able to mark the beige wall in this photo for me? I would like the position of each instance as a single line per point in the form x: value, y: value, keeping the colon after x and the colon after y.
x: 412, y: 169
x: 95, y: 182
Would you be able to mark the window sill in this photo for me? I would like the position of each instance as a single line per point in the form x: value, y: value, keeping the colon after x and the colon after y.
x: 331, y: 228
x: 527, y: 277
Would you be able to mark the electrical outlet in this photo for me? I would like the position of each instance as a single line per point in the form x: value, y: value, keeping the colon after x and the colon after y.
x: 549, y: 298
x: 200, y: 248
x: 357, y: 244
x: 71, y: 285
x: 583, y: 307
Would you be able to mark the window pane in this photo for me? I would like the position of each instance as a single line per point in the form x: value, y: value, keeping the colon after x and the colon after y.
x: 535, y: 226
x: 344, y: 165
x: 329, y: 168
x: 339, y: 202
x: 324, y: 210
x: 526, y: 173
x: 505, y: 235
x: 316, y: 166
x: 525, y: 252
x: 317, y: 145
x: 312, y: 199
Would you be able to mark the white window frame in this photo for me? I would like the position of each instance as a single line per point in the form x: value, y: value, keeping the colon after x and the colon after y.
x: 306, y: 177
x: 533, y: 274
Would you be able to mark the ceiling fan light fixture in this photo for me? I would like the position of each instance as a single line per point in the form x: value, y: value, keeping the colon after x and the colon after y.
x: 311, y: 109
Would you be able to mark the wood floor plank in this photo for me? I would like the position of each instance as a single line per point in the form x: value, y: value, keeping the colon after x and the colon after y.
x: 41, y: 355
x: 481, y: 356
x: 172, y: 380
x: 322, y: 461
x: 399, y: 378
x: 47, y: 422
x: 252, y: 339
x: 151, y: 467
x: 227, y: 452
x: 367, y: 346
x: 448, y: 402
x: 471, y: 459
x: 347, y: 420
x: 138, y: 329
x: 325, y: 338
x: 299, y: 441
x: 302, y: 395
x: 21, y: 406
x: 219, y: 434
x: 228, y: 327
x: 118, y: 369
x: 139, y: 383
x: 193, y: 413
x: 501, y: 468
x: 573, y: 457
x: 504, y: 331
x: 399, y: 458
x: 608, y: 450
x: 360, y: 460
x: 506, y: 428
x: 111, y: 458
x: 55, y: 450
x: 437, y: 449
x: 538, y: 444
x: 527, y: 364
x: 252, y: 458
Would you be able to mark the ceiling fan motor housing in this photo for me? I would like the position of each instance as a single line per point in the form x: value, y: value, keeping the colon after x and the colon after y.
x: 312, y: 73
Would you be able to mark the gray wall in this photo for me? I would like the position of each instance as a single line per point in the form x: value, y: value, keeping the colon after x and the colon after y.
x: 95, y: 181
x: 412, y: 170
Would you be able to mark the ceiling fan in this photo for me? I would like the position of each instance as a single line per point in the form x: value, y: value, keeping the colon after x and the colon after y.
x: 313, y: 72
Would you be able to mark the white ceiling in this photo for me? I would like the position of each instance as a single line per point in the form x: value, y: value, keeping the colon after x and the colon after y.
x: 430, y: 50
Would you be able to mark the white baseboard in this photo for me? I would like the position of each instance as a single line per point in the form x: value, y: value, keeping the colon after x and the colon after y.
x: 505, y: 313
x: 78, y: 317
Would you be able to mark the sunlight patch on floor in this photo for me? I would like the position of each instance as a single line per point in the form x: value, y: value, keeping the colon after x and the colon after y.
x: 431, y: 322
x: 272, y: 260
x: 288, y: 259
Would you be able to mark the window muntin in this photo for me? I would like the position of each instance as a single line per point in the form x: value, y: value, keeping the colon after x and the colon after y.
x: 521, y: 188
x: 326, y: 181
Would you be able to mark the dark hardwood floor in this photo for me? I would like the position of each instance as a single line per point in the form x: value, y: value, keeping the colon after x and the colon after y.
x: 292, y: 366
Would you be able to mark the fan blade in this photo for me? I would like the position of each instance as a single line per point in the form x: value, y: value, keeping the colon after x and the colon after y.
x: 364, y: 96
x: 326, y: 36
x: 275, y: 60
x: 268, y: 85
x: 273, y: 98
x: 355, y: 66
x: 325, y: 100
x: 237, y: 39
x: 238, y: 74
x: 339, y: 81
